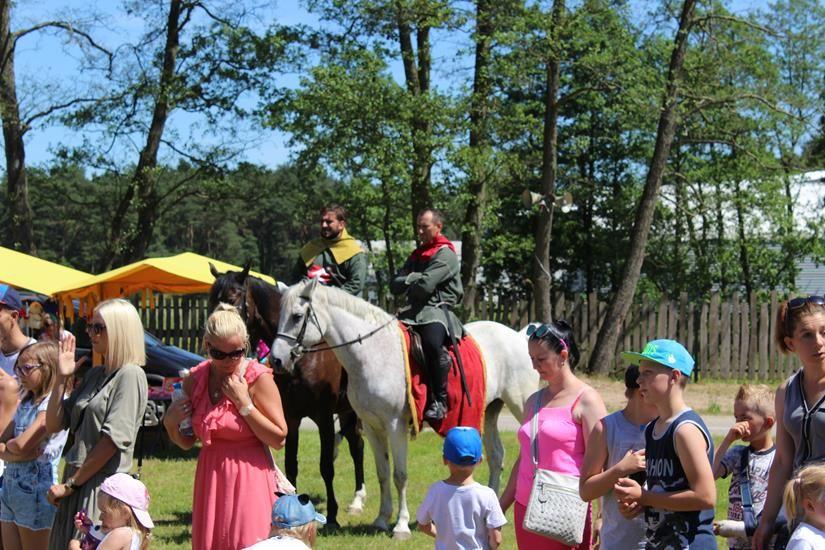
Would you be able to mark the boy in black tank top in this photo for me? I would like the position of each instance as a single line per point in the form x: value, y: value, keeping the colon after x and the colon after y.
x: 681, y: 494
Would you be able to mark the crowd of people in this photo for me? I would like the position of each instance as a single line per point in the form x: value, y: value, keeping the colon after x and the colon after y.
x: 652, y: 465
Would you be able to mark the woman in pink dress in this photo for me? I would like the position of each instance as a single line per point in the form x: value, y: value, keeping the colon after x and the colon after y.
x: 236, y: 413
x: 568, y: 411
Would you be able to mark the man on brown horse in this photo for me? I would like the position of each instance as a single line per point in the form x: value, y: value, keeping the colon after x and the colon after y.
x: 334, y: 258
x: 430, y: 278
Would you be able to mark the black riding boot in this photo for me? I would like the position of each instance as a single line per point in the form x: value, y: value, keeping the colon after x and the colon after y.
x: 438, y: 388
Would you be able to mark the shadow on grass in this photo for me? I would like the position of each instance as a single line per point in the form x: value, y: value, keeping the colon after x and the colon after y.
x: 356, y: 530
x: 179, y: 522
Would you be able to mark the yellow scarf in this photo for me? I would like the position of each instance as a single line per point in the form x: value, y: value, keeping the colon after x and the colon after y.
x: 343, y: 248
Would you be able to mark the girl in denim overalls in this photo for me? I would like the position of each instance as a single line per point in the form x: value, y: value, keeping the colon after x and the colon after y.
x: 31, y: 454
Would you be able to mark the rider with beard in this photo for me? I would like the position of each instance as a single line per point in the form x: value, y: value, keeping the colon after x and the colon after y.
x: 430, y: 278
x: 335, y: 258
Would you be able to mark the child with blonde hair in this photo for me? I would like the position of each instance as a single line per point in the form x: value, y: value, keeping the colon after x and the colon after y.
x: 294, y: 524
x: 124, y: 516
x: 805, y: 508
x: 30, y: 453
x: 748, y: 465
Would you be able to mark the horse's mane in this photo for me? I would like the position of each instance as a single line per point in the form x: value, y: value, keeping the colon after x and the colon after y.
x: 336, y: 297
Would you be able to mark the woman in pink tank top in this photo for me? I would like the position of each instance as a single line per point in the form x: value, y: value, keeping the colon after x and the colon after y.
x: 568, y: 411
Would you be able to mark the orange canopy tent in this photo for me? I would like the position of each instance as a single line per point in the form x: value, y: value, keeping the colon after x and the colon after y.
x: 186, y: 273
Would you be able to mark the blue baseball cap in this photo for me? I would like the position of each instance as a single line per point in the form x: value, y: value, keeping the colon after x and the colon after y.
x: 10, y: 298
x: 462, y: 446
x: 293, y: 511
x: 668, y: 353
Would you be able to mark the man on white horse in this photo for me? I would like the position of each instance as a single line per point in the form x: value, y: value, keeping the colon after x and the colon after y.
x: 334, y: 258
x: 430, y: 278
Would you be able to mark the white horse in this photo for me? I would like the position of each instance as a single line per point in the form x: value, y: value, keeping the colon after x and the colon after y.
x: 368, y: 344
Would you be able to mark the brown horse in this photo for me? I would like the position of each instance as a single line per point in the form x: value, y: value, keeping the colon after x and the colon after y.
x: 314, y: 390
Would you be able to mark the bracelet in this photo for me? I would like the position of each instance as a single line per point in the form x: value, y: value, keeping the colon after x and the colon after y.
x: 246, y: 409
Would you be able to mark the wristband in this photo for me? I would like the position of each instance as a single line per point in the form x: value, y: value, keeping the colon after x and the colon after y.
x: 246, y: 409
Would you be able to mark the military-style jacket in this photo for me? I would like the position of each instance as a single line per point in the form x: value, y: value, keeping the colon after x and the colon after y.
x: 429, y: 280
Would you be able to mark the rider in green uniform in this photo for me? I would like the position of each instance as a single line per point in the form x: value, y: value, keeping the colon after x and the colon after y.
x: 334, y: 258
x: 430, y: 277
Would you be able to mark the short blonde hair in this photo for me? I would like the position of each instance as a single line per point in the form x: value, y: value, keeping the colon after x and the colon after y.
x: 225, y: 322
x: 124, y: 331
x: 305, y: 533
x: 757, y: 397
x: 809, y: 482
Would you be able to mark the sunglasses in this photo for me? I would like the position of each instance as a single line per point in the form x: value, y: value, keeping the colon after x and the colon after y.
x: 219, y: 355
x: 25, y: 370
x: 96, y: 328
x: 801, y: 302
x: 540, y: 331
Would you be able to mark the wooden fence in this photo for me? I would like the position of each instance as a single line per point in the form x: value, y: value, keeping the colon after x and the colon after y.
x: 730, y: 339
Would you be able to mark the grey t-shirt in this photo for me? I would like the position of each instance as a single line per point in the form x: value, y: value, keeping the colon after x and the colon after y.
x: 759, y: 466
x: 114, y: 406
x: 618, y: 532
x: 806, y: 425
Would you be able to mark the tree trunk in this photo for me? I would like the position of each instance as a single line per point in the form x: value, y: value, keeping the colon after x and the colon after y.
x: 145, y: 179
x: 20, y: 230
x: 601, y: 359
x: 417, y: 77
x: 744, y: 258
x: 549, y: 164
x: 479, y: 143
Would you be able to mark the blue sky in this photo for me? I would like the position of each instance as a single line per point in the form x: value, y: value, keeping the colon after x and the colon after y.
x: 45, y: 62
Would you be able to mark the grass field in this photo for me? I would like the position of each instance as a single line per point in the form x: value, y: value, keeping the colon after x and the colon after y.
x: 170, y: 475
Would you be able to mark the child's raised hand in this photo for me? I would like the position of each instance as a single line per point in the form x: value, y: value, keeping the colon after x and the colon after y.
x: 633, y: 461
x: 627, y: 490
x: 740, y: 430
x: 66, y: 365
x: 629, y: 509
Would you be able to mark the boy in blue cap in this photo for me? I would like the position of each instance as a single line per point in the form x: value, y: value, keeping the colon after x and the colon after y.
x: 680, y: 495
x: 294, y: 522
x: 459, y: 512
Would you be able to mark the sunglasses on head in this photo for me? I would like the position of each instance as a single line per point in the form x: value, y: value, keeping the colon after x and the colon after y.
x: 96, y: 328
x: 801, y: 302
x: 25, y: 370
x: 540, y: 331
x: 219, y: 355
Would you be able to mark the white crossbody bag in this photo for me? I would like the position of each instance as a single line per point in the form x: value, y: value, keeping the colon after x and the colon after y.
x: 555, y: 509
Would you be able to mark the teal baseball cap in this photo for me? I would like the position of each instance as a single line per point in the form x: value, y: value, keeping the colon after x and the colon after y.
x: 668, y: 353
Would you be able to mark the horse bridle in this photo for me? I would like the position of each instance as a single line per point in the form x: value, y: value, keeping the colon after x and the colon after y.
x: 298, y: 350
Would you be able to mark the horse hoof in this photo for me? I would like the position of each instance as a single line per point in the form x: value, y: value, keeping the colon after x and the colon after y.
x: 331, y: 527
x: 380, y: 525
x: 402, y: 535
x: 355, y: 510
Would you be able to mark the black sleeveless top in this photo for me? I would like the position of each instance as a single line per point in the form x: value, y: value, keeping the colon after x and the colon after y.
x: 667, y: 529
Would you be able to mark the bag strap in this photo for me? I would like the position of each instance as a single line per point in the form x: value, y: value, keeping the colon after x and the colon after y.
x: 534, y: 428
x: 745, y: 491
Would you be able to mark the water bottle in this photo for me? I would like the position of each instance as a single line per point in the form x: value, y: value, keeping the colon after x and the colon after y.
x: 185, y: 426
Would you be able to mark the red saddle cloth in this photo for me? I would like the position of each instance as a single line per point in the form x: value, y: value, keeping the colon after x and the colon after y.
x: 459, y: 412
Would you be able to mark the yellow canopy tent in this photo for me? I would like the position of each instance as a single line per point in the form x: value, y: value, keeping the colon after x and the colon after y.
x: 28, y: 272
x: 186, y: 273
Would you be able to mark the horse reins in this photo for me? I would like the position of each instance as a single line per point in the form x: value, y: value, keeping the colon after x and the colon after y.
x: 298, y: 350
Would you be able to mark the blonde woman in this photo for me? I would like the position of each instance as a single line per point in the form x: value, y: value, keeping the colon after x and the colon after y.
x: 103, y: 413
x: 237, y: 415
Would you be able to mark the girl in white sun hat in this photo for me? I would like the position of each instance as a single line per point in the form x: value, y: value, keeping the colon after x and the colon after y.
x: 124, y: 516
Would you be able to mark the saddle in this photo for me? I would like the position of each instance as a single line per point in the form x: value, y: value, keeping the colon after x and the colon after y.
x: 459, y: 411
